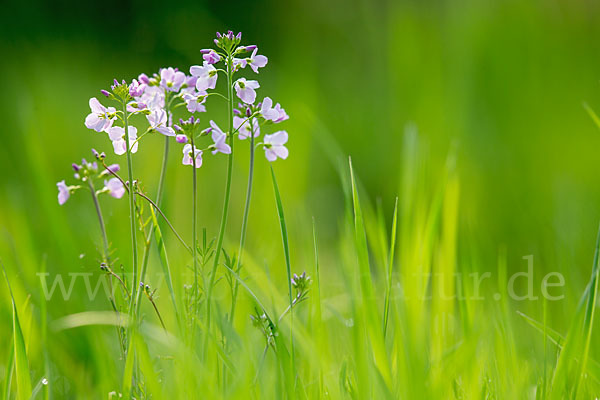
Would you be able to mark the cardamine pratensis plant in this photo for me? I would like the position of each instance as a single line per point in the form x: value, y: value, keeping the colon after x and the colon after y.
x: 162, y: 98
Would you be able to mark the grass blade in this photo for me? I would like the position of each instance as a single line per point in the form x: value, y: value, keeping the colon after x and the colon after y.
x: 366, y: 286
x: 164, y: 261
x: 390, y: 267
x: 286, y: 251
x: 21, y: 361
x: 10, y: 368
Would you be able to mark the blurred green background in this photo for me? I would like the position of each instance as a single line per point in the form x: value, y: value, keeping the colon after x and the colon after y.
x: 501, y: 82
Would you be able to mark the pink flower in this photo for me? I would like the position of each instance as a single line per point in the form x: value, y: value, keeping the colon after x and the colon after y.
x: 195, y: 101
x: 206, y: 76
x: 275, y: 114
x: 158, y: 121
x: 115, y: 187
x: 171, y: 79
x: 187, y: 155
x: 101, y: 118
x: 136, y: 89
x: 245, y: 90
x: 239, y: 63
x: 153, y: 97
x: 257, y: 61
x: 245, y: 131
x: 181, y: 139
x: 211, y: 57
x: 117, y: 135
x: 63, y: 192
x: 274, y: 146
x: 219, y: 137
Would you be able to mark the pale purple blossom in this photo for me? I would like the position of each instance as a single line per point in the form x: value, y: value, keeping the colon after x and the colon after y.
x: 153, y: 97
x: 158, y: 121
x: 206, y: 75
x: 181, y: 139
x: 187, y: 155
x: 115, y: 187
x: 219, y: 137
x: 211, y: 57
x: 136, y: 89
x: 243, y: 127
x: 274, y: 146
x: 195, y: 101
x: 101, y: 118
x: 171, y: 79
x: 239, y: 63
x: 63, y: 192
x: 245, y: 90
x: 190, y: 84
x: 117, y: 135
x: 143, y: 78
x: 275, y: 114
x: 257, y: 61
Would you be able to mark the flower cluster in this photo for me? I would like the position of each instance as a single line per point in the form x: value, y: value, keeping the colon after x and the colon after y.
x: 87, y: 173
x: 160, y: 96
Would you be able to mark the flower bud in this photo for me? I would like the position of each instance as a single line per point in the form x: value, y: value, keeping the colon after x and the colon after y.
x: 105, y: 92
x: 76, y: 167
x: 181, y: 139
x: 248, y: 112
x: 144, y: 78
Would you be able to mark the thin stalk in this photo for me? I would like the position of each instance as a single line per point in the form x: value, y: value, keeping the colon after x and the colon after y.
x: 161, y: 182
x: 131, y: 197
x: 194, y: 217
x: 100, y: 220
x: 163, y: 172
x: 244, y: 222
x: 105, y: 254
x: 225, y: 202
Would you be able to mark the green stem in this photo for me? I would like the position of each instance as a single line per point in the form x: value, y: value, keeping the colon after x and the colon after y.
x: 163, y: 172
x: 194, y: 218
x: 105, y: 255
x: 225, y: 202
x: 131, y: 198
x: 161, y: 182
x: 244, y: 222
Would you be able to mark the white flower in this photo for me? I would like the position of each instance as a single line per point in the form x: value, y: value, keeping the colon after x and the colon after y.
x: 245, y: 90
x: 187, y: 155
x: 274, y: 146
x: 100, y: 118
x: 207, y: 76
x: 117, y: 135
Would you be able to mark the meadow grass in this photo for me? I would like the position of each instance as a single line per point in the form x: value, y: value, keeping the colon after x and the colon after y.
x: 371, y: 326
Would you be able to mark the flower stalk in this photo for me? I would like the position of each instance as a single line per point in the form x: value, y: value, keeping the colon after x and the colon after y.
x: 244, y: 221
x: 131, y: 194
x: 227, y: 196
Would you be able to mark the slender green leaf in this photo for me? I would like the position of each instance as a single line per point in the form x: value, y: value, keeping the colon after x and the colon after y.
x: 21, y: 361
x: 286, y: 251
x: 164, y: 261
x: 390, y: 267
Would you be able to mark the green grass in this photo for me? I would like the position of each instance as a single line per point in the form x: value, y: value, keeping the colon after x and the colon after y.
x: 355, y: 336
